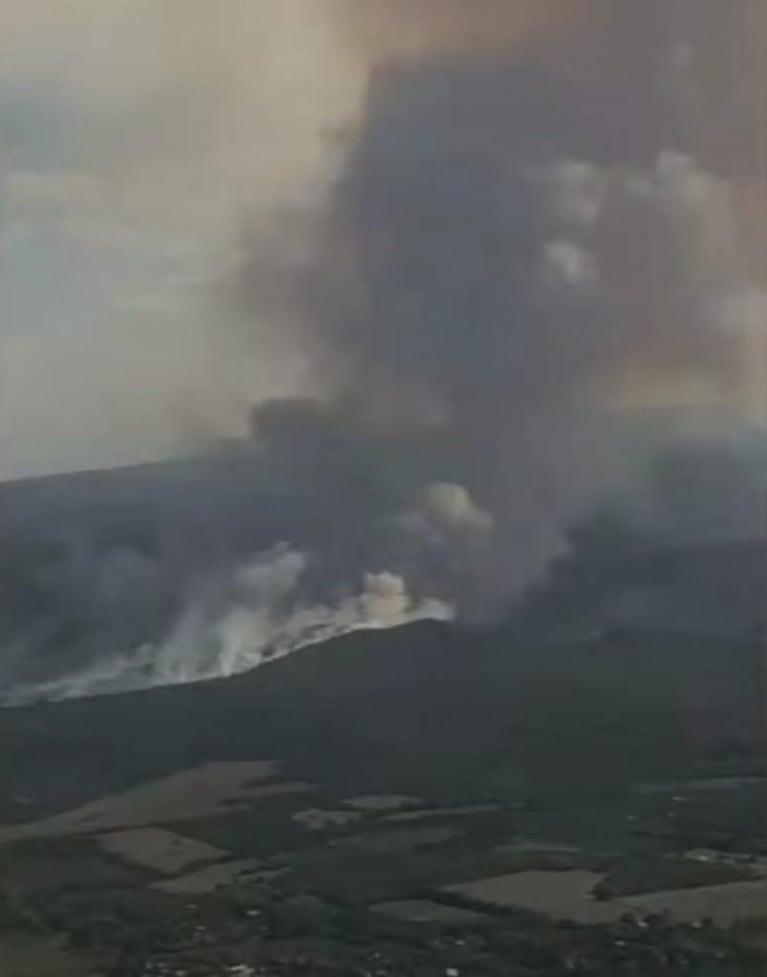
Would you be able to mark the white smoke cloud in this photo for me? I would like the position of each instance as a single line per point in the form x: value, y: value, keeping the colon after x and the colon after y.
x: 574, y: 191
x: 446, y: 514
x: 449, y: 507
x: 701, y: 208
x: 658, y: 252
x: 256, y: 615
x: 569, y: 268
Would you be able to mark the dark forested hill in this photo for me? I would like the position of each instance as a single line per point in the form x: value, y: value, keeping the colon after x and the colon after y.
x: 428, y: 706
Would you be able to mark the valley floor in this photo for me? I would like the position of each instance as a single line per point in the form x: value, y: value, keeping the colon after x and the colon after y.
x: 236, y: 868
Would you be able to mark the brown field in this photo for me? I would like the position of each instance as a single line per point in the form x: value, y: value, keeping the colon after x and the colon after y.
x: 212, y: 877
x: 204, y: 791
x: 562, y: 895
x: 160, y: 850
x: 722, y: 903
x: 567, y: 895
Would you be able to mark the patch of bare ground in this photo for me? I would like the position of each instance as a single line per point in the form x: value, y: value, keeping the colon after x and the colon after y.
x: 569, y: 895
x: 204, y: 791
x: 160, y: 850
x: 214, y: 877
x: 562, y: 895
x: 723, y: 904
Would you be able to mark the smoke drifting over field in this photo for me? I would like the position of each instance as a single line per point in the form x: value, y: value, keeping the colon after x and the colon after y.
x: 447, y: 272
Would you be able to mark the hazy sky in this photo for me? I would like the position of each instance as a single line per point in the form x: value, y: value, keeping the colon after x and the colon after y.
x: 133, y: 133
x: 138, y: 135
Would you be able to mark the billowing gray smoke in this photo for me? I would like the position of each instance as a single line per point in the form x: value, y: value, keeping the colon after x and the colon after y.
x: 531, y: 254
x: 520, y: 267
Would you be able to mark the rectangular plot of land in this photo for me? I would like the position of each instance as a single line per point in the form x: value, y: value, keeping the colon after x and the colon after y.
x: 568, y: 895
x: 160, y: 850
x: 724, y: 904
x: 204, y: 791
x: 561, y: 895
x: 214, y: 877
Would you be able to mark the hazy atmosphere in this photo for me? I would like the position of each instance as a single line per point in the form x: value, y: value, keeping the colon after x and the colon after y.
x: 383, y: 487
x: 445, y: 278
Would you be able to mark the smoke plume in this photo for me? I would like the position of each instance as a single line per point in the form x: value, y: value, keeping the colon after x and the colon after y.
x: 513, y: 268
x: 451, y: 271
x: 234, y: 622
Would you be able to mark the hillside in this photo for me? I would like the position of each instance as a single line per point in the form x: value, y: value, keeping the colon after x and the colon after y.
x: 428, y: 705
x: 627, y: 662
x: 553, y: 748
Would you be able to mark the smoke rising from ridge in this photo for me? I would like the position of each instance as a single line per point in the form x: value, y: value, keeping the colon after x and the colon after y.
x: 444, y: 271
x: 236, y: 621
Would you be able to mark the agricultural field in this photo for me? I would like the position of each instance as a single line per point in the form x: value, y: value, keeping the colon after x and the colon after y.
x: 228, y: 861
x: 159, y: 850
x: 200, y: 792
x: 214, y: 877
x: 571, y: 895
